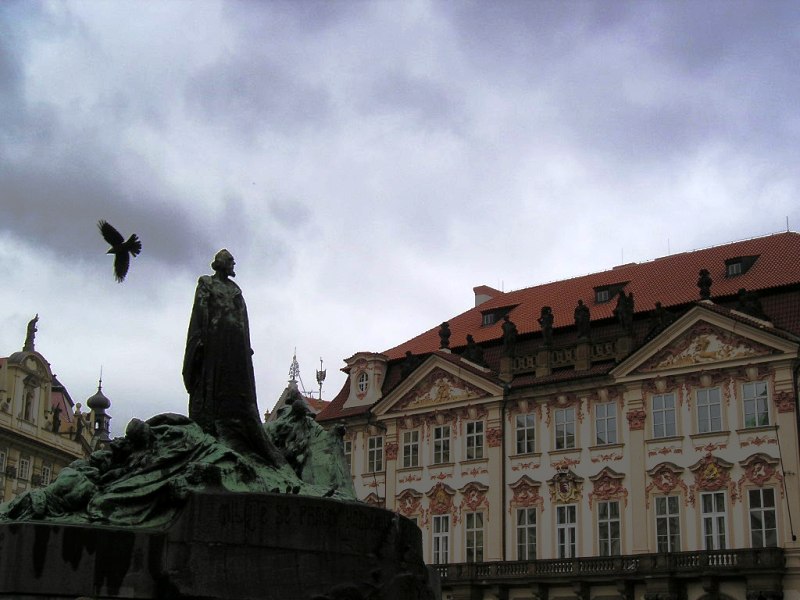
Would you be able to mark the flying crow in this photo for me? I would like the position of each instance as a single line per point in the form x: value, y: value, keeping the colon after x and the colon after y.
x: 120, y: 248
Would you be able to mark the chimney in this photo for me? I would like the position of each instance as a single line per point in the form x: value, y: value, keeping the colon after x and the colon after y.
x: 483, y: 293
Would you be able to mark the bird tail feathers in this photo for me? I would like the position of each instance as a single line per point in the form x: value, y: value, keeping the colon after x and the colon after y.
x: 134, y: 245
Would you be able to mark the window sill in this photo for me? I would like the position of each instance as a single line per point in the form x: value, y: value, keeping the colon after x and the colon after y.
x: 759, y: 429
x: 527, y: 455
x: 664, y: 440
x: 475, y: 461
x: 407, y: 469
x: 374, y: 474
x: 575, y: 450
x: 443, y: 465
x: 710, y: 434
x: 613, y: 446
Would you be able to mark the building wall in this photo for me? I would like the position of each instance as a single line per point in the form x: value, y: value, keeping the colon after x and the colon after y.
x: 620, y: 456
x: 31, y: 453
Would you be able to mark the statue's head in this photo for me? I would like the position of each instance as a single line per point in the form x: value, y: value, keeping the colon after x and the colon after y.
x: 223, y: 261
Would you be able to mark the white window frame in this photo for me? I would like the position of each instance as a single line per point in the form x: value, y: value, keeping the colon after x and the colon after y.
x: 668, y: 514
x: 609, y: 528
x: 714, y: 515
x: 474, y: 439
x: 375, y: 454
x: 526, y: 433
x: 410, y: 449
x: 3, y: 455
x: 24, y: 468
x: 733, y: 269
x: 565, y: 428
x: 755, y: 401
x: 47, y: 474
x: 605, y: 423
x: 473, y: 529
x: 763, y: 517
x: 567, y: 530
x: 441, y: 444
x: 664, y: 412
x: 362, y: 381
x: 441, y: 539
x: 348, y: 454
x: 709, y: 409
x: 526, y: 533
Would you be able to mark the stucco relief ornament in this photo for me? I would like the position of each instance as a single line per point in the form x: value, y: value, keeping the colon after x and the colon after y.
x: 711, y: 474
x: 565, y: 487
x: 494, y: 437
x: 374, y: 500
x: 474, y: 496
x: 759, y: 469
x: 391, y: 451
x: 636, y: 419
x: 525, y: 494
x: 784, y: 402
x: 409, y: 503
x: 608, y: 486
x: 441, y: 499
x: 665, y: 478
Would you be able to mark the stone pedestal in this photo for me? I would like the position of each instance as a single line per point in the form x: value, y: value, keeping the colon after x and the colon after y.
x: 224, y: 546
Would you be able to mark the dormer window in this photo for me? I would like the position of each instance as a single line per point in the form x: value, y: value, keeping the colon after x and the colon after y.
x: 605, y: 293
x: 494, y: 315
x: 739, y: 265
x: 363, y: 382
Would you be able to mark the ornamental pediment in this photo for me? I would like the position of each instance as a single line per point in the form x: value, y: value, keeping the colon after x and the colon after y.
x: 439, y: 387
x: 704, y: 343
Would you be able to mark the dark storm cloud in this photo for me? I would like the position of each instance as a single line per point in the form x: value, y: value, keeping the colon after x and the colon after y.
x: 247, y: 95
x: 643, y: 82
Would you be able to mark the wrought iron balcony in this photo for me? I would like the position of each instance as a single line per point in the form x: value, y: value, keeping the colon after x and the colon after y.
x: 630, y: 567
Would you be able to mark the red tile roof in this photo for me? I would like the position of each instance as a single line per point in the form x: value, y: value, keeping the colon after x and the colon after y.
x: 671, y: 280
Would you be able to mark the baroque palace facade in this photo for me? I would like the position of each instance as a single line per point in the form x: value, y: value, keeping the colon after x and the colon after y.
x: 41, y: 429
x: 629, y: 434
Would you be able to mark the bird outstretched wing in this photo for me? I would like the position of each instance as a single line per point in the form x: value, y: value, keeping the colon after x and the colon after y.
x: 111, y: 235
x: 122, y: 261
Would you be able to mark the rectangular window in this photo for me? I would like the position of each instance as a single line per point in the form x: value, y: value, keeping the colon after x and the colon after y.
x: 565, y: 428
x: 756, y: 404
x: 664, y: 415
x: 668, y: 530
x: 410, y: 449
x: 606, y: 423
x: 763, y: 522
x: 526, y: 534
x: 566, y: 530
x: 709, y: 410
x: 24, y: 470
x: 47, y: 474
x: 474, y: 538
x: 441, y: 539
x: 733, y: 269
x: 474, y: 440
x: 713, y: 508
x: 375, y: 454
x: 526, y: 437
x: 2, y: 462
x: 348, y: 454
x: 608, y: 527
x: 441, y: 444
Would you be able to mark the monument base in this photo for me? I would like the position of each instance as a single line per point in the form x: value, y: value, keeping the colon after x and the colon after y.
x: 224, y: 546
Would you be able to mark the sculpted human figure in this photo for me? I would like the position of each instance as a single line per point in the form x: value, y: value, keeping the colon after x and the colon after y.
x: 30, y: 334
x: 546, y: 323
x: 509, y: 336
x: 582, y: 320
x: 218, y: 364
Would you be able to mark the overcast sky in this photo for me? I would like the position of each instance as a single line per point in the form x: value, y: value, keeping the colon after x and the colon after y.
x: 367, y: 163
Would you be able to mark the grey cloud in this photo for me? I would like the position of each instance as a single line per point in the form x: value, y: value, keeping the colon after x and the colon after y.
x: 247, y: 95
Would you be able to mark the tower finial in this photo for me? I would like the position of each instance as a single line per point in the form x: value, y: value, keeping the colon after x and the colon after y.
x: 320, y: 377
x: 294, y: 370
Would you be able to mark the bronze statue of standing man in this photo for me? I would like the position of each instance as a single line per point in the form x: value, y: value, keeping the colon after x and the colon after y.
x: 218, y: 364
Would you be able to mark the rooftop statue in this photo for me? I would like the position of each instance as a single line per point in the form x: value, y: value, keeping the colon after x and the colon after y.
x: 31, y: 334
x: 509, y: 336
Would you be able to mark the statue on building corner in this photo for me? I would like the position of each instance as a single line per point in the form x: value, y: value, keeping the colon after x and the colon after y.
x: 624, y: 311
x: 582, y: 320
x: 545, y: 321
x: 31, y: 334
x: 704, y: 283
x: 444, y: 336
x: 473, y: 352
x: 509, y: 336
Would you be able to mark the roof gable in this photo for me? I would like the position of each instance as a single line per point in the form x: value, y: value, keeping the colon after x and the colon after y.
x: 438, y: 382
x: 703, y: 336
